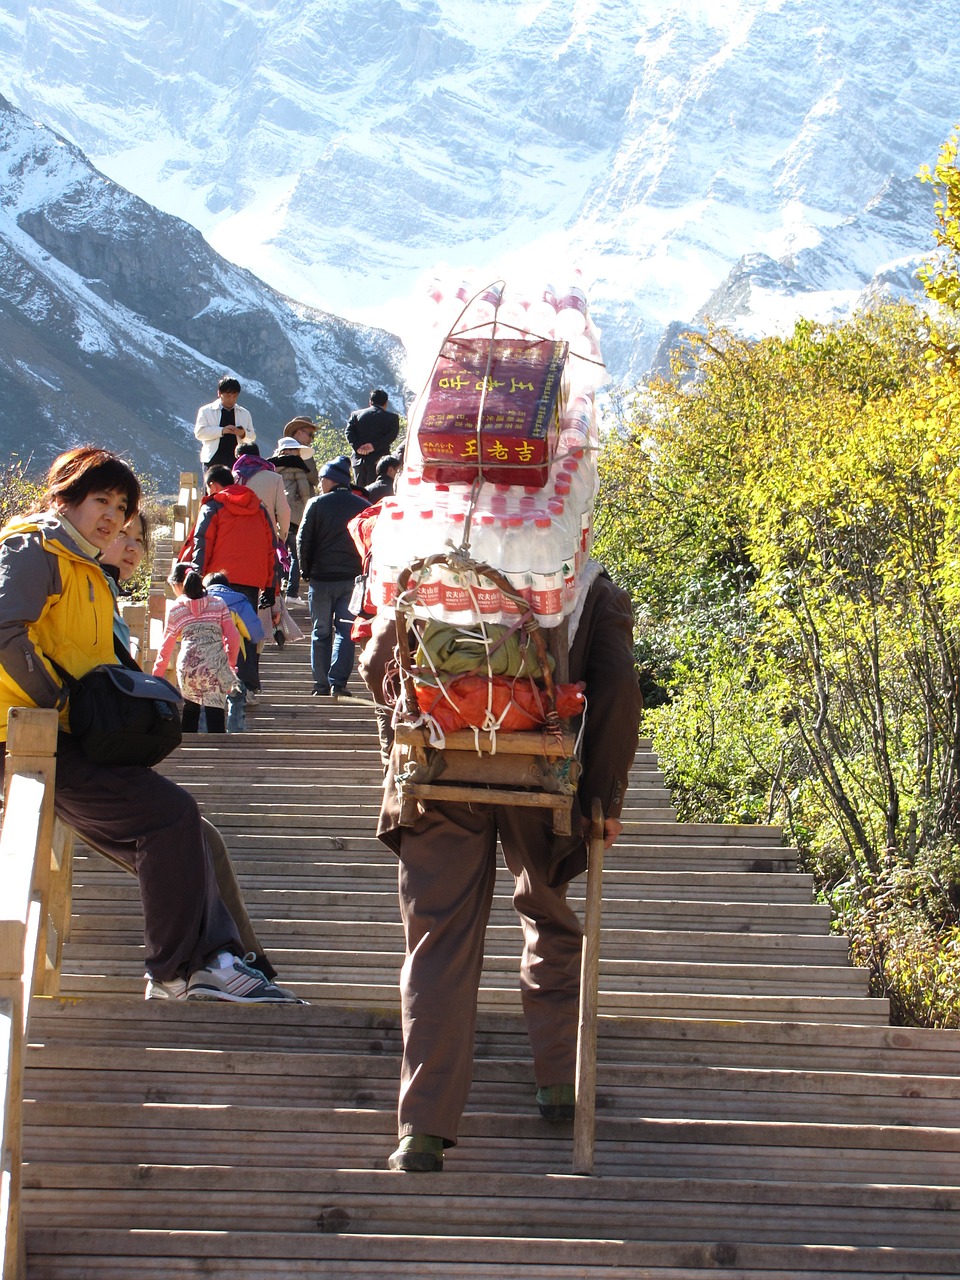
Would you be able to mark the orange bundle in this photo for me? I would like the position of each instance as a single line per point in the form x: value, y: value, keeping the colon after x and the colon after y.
x: 520, y: 702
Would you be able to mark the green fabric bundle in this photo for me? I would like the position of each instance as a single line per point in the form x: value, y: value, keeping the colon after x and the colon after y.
x: 502, y: 651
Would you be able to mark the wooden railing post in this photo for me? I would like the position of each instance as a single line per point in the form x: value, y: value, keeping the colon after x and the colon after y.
x: 187, y: 506
x: 27, y: 883
x: 584, y: 1122
x: 134, y: 614
x: 31, y: 751
x: 156, y: 617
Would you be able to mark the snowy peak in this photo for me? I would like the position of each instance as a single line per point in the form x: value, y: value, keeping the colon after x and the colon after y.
x: 341, y: 150
x: 118, y: 320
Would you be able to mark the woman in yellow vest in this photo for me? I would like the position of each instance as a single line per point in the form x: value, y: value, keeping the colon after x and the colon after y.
x: 55, y: 603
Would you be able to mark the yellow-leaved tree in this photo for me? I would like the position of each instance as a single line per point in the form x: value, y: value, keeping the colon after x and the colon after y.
x: 784, y: 514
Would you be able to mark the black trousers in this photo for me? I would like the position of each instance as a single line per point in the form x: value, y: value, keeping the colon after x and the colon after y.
x: 190, y: 719
x: 365, y: 467
x: 248, y: 665
x: 149, y: 824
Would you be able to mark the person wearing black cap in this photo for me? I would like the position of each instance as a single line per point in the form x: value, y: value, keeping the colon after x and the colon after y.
x: 330, y: 562
x: 370, y: 433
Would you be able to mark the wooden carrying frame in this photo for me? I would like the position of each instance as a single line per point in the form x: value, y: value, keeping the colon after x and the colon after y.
x: 521, y: 769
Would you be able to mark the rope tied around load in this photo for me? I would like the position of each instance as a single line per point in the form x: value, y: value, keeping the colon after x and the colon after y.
x: 488, y: 641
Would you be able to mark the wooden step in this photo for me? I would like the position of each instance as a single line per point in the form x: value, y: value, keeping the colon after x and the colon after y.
x: 332, y: 1250
x: 185, y: 1198
x: 757, y: 1116
x: 881, y: 1049
x: 321, y: 1077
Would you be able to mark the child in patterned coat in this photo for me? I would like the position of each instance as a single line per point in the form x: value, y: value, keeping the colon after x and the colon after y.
x: 209, y: 645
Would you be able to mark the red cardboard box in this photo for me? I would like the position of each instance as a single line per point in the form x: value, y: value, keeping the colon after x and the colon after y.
x: 516, y: 437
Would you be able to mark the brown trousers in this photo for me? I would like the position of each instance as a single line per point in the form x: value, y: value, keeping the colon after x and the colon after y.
x: 447, y: 871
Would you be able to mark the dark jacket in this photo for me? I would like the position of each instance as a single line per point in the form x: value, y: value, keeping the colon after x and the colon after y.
x: 376, y: 426
x: 325, y: 548
x: 602, y: 656
x: 380, y: 489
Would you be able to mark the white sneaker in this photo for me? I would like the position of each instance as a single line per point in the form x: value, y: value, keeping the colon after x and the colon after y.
x: 175, y: 989
x: 253, y: 697
x: 238, y: 983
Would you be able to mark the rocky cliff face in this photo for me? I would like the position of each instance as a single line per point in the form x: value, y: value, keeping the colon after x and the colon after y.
x: 117, y: 320
x: 342, y: 149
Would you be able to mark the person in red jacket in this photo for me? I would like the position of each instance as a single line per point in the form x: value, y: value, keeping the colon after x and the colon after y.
x: 233, y: 535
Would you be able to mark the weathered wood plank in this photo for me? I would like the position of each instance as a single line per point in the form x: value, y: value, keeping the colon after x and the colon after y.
x: 206, y: 1249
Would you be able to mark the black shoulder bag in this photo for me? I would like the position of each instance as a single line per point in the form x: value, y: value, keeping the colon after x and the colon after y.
x: 122, y: 715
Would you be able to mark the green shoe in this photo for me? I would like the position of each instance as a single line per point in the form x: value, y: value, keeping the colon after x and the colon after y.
x: 557, y: 1102
x: 418, y: 1153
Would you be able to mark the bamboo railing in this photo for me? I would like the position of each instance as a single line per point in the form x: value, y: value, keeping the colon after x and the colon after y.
x: 36, y: 853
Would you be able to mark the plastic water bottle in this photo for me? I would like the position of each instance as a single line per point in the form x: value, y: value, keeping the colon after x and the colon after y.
x: 409, y: 486
x: 441, y: 495
x: 481, y: 310
x: 571, y: 321
x: 542, y: 313
x: 567, y: 525
x: 434, y: 301
x: 546, y: 572
x: 485, y: 548
x: 586, y: 534
x: 456, y: 605
x: 423, y: 537
x: 585, y: 364
x: 578, y: 466
x: 515, y: 561
x: 421, y: 545
x: 578, y: 424
x: 512, y: 319
x: 493, y: 501
x: 454, y: 527
x: 389, y: 554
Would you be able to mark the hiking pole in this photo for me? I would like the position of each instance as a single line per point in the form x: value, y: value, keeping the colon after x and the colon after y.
x: 584, y: 1126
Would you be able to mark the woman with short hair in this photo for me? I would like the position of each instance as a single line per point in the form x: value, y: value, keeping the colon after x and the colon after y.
x: 56, y: 606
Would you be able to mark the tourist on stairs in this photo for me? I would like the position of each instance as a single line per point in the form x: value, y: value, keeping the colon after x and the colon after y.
x: 56, y: 606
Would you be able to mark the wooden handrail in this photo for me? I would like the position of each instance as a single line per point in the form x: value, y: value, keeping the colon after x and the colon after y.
x: 584, y: 1124
x: 187, y: 507
x: 35, y: 891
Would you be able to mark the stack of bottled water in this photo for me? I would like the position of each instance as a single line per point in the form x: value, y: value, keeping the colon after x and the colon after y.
x: 539, y: 538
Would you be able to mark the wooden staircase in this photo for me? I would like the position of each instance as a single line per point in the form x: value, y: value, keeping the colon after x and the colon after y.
x: 756, y: 1114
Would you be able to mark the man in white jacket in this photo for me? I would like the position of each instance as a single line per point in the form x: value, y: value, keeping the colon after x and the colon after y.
x: 222, y: 426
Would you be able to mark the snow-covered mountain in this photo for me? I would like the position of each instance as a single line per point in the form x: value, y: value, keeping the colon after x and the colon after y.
x: 116, y: 321
x: 342, y: 148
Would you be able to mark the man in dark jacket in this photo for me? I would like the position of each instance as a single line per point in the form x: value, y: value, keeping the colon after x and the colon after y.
x: 370, y: 433
x: 330, y: 562
x: 448, y: 859
x: 382, y: 487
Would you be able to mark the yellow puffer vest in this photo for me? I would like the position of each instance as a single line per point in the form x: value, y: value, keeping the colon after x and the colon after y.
x: 74, y: 627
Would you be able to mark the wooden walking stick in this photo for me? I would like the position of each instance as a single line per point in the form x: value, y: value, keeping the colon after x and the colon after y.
x: 584, y: 1126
